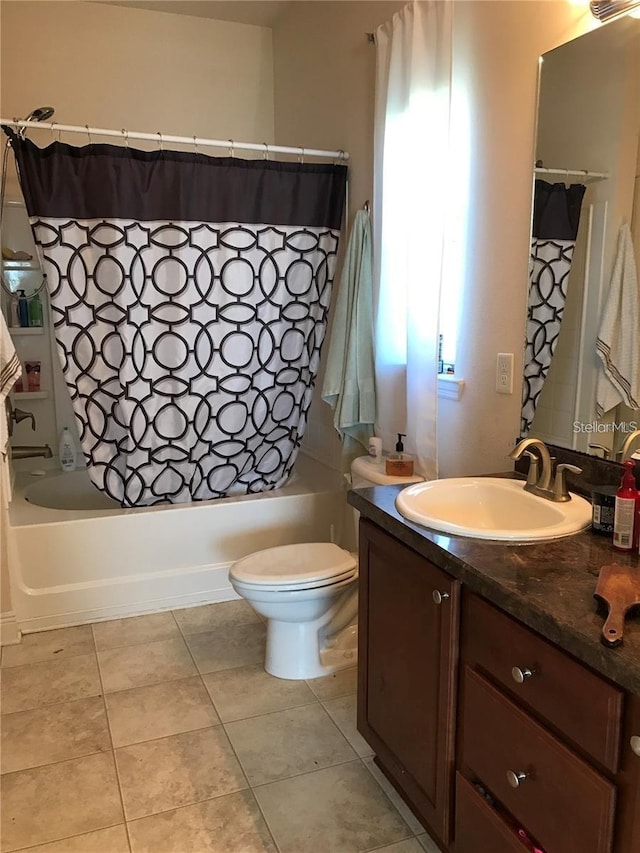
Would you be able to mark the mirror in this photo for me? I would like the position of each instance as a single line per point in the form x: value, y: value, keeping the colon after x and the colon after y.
x: 588, y: 132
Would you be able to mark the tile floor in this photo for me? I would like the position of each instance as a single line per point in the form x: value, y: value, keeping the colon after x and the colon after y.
x: 163, y: 734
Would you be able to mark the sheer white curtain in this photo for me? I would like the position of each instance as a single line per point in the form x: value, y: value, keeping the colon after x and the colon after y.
x: 413, y: 88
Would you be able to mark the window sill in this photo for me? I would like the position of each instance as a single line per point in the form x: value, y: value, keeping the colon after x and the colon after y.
x: 450, y: 386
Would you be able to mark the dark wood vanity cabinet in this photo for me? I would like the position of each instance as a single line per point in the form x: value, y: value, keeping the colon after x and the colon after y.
x: 408, y: 629
x: 628, y: 809
x: 498, y: 735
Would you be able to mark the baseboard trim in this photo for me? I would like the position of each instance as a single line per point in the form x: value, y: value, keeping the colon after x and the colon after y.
x: 10, y: 633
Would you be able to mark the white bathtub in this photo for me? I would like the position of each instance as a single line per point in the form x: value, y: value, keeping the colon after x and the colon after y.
x: 70, y: 566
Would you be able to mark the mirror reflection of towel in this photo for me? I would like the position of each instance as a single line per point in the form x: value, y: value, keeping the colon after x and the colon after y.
x: 618, y: 378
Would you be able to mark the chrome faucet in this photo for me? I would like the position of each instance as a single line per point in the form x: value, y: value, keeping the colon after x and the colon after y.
x: 540, y: 484
x: 26, y: 451
x: 623, y: 454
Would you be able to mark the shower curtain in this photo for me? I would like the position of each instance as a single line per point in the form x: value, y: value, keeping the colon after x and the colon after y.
x: 556, y: 216
x: 189, y: 298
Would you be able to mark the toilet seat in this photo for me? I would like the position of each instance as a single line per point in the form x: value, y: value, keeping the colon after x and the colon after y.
x: 291, y: 567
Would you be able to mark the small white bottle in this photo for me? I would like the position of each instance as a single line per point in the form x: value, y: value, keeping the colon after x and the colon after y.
x: 67, y: 451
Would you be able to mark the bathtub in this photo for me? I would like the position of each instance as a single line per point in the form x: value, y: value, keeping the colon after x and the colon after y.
x: 76, y: 557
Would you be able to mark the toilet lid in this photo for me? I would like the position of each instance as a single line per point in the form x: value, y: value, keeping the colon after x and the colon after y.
x: 306, y: 564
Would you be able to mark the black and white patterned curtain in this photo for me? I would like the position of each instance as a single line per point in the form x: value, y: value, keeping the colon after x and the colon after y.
x: 556, y: 216
x: 189, y: 297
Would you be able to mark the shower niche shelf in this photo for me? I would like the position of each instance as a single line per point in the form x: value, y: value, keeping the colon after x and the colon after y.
x: 30, y: 395
x: 26, y: 330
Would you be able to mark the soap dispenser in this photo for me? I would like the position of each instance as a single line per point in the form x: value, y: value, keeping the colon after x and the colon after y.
x: 400, y: 464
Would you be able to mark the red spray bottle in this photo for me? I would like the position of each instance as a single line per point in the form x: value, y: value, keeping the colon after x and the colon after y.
x: 625, y: 513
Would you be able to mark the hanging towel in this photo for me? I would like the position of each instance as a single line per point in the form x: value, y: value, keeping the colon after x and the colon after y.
x: 10, y: 370
x: 618, y: 378
x: 349, y: 383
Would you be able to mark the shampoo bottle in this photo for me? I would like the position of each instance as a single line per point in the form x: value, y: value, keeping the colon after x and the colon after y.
x: 67, y: 451
x: 23, y: 310
x: 625, y: 512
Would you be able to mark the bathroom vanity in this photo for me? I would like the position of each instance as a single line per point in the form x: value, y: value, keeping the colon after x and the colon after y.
x: 485, y: 692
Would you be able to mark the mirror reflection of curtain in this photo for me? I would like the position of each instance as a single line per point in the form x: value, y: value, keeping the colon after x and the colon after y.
x: 556, y: 216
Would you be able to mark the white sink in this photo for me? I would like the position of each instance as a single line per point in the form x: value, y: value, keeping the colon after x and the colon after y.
x: 491, y: 508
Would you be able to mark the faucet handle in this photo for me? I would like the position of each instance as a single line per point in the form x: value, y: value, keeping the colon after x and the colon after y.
x: 560, y: 491
x: 532, y: 474
x: 606, y: 452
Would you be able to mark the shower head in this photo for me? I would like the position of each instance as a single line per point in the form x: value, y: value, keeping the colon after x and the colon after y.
x: 39, y: 114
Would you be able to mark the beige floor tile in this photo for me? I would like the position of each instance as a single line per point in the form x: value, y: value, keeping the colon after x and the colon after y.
x: 134, y: 630
x: 54, y: 733
x: 287, y: 743
x: 209, y: 617
x: 230, y: 824
x: 343, y: 713
x: 58, y: 800
x: 340, y: 683
x: 226, y: 648
x: 148, y: 663
x: 49, y: 645
x: 159, y: 710
x: 335, y: 810
x: 112, y: 840
x: 409, y: 845
x: 412, y: 821
x: 176, y: 771
x: 38, y: 684
x: 249, y: 691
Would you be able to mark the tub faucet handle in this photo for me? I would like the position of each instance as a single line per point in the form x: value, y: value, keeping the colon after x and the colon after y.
x: 15, y: 416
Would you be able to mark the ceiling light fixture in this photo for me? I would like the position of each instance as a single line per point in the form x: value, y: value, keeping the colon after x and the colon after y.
x: 605, y: 10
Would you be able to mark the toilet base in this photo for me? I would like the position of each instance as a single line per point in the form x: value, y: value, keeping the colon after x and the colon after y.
x: 293, y: 651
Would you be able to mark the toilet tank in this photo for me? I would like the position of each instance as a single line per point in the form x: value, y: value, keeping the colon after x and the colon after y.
x: 367, y: 472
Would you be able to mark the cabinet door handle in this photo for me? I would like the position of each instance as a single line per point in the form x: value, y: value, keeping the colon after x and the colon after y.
x: 635, y: 744
x: 521, y: 673
x: 515, y: 778
x: 439, y: 597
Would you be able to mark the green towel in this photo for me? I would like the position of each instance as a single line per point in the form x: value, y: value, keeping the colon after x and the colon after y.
x: 349, y: 382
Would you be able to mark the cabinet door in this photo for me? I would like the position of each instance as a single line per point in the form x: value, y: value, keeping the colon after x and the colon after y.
x: 408, y: 659
x: 628, y: 828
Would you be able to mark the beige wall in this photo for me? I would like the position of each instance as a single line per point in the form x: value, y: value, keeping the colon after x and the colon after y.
x: 115, y: 67
x: 496, y: 49
x: 324, y: 83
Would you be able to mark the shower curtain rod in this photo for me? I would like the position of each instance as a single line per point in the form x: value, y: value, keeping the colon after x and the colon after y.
x: 579, y: 173
x: 161, y: 138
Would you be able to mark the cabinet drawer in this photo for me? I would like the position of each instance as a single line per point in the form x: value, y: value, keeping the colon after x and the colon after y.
x: 478, y: 826
x: 564, y: 803
x: 575, y: 701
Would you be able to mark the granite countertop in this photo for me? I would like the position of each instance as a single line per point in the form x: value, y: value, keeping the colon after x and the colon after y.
x: 547, y: 585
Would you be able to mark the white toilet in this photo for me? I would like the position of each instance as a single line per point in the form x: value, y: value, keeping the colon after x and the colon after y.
x: 309, y: 595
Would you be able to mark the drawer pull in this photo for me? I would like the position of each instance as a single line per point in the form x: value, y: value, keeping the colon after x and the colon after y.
x: 520, y: 674
x: 439, y: 597
x: 635, y: 744
x: 515, y: 778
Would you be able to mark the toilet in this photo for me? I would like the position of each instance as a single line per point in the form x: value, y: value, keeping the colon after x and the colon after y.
x: 309, y: 595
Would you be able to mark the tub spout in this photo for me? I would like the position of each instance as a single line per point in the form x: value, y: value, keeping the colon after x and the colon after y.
x: 26, y: 451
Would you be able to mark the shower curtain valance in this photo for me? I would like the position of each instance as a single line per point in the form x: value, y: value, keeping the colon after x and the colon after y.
x: 106, y: 181
x: 189, y: 299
